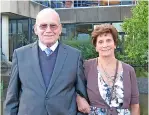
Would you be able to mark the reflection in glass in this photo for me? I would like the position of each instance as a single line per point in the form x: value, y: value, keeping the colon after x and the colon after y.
x: 34, y: 37
x: 118, y: 26
x: 76, y: 31
x: 88, y: 3
x: 83, y: 31
x: 18, y: 35
x: 68, y: 32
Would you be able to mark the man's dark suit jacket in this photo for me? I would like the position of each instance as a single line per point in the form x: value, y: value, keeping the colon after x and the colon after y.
x: 27, y: 94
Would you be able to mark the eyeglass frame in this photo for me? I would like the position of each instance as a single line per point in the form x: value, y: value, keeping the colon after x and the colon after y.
x: 48, y: 25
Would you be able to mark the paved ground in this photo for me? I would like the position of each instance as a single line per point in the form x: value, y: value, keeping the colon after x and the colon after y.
x: 143, y: 85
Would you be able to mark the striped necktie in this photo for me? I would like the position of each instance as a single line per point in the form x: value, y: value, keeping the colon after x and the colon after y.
x: 48, y: 51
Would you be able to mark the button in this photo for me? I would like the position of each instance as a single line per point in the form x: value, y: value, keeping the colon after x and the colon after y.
x: 47, y: 98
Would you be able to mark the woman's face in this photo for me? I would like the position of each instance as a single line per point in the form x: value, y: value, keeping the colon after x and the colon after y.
x: 105, y: 45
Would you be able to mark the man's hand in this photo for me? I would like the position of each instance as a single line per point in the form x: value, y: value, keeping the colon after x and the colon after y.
x: 82, y: 104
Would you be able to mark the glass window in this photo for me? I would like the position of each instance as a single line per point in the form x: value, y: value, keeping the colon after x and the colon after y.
x: 118, y: 26
x: 83, y: 31
x: 95, y: 24
x: 68, y: 32
x: 34, y: 37
x: 120, y: 45
x: 45, y: 3
x: 13, y: 27
x: 56, y: 4
x: 23, y: 30
x: 18, y: 35
x: 126, y: 2
x: 110, y: 2
x: 88, y: 3
x: 12, y: 37
x: 76, y: 31
x: 20, y: 27
x: 42, y: 2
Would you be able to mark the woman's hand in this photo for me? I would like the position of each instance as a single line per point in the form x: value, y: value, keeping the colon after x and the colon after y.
x: 82, y: 104
x: 135, y: 109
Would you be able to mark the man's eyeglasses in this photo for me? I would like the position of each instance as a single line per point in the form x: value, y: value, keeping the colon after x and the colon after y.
x: 45, y: 26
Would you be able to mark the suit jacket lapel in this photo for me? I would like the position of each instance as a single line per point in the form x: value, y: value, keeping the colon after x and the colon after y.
x: 60, y: 60
x: 36, y: 65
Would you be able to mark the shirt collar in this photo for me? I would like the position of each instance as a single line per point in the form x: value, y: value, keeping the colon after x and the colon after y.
x: 43, y: 47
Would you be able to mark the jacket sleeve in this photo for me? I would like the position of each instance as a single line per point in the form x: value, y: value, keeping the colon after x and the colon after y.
x: 12, y: 97
x: 86, y: 68
x: 134, y: 88
x: 80, y: 82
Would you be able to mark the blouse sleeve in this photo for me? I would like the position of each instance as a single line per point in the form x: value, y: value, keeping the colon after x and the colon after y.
x: 134, y: 88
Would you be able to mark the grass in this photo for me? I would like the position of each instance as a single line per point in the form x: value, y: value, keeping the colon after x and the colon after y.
x: 144, y: 104
x: 141, y: 72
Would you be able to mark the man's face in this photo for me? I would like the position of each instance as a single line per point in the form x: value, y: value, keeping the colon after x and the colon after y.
x: 48, y: 28
x: 68, y: 4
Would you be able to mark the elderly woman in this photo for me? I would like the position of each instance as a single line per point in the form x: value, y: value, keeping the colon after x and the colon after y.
x: 111, y: 84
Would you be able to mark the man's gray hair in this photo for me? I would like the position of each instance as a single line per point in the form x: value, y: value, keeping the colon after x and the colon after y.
x: 50, y: 10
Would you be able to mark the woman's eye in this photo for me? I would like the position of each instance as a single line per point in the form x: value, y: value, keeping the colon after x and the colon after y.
x: 109, y: 40
x: 99, y: 42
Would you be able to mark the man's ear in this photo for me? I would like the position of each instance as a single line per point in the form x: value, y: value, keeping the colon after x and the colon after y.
x: 35, y: 29
x: 60, y: 32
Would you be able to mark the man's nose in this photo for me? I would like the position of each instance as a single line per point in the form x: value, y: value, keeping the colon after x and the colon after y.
x: 48, y: 29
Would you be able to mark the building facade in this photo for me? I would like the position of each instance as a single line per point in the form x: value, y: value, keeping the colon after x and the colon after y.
x: 18, y: 19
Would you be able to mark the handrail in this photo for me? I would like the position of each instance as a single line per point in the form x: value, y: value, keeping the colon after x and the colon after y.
x: 59, y: 4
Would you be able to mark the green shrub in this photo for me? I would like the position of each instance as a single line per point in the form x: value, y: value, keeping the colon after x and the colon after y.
x: 87, y: 49
x: 88, y: 52
x: 136, y: 29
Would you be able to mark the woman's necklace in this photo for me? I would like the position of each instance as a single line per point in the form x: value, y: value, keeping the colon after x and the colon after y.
x: 110, y: 79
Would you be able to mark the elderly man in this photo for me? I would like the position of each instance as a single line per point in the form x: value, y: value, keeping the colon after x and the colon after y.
x: 46, y: 75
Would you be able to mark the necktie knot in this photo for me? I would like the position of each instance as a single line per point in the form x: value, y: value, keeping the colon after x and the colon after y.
x: 48, y: 51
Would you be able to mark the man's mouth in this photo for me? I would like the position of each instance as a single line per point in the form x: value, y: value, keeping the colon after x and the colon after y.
x: 48, y: 35
x: 106, y: 50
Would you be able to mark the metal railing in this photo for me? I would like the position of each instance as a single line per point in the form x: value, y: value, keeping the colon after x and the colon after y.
x: 84, y: 3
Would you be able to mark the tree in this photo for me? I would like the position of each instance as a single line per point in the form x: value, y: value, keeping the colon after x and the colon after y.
x: 136, y: 29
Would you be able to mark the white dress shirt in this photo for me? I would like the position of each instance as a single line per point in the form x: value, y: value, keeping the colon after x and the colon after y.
x: 43, y: 47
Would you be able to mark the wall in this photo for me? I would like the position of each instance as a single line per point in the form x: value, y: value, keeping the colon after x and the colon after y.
x: 94, y: 14
x: 24, y: 8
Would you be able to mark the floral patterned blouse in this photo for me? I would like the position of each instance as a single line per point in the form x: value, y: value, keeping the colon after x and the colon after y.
x: 105, y: 92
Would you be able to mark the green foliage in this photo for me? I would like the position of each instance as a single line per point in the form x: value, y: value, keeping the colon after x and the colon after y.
x: 87, y: 49
x: 136, y: 29
x: 141, y: 71
x: 88, y: 52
